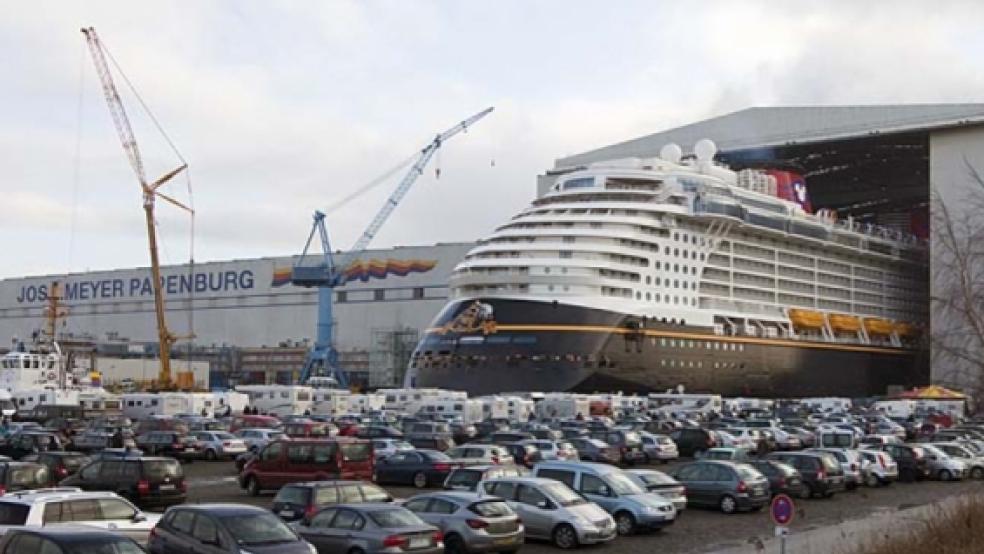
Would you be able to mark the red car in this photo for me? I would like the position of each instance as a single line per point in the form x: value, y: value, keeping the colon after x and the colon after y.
x: 290, y: 461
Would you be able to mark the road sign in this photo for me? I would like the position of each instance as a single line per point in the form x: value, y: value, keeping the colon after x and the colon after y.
x: 782, y: 510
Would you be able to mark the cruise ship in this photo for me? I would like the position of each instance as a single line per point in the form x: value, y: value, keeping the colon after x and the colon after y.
x: 651, y: 274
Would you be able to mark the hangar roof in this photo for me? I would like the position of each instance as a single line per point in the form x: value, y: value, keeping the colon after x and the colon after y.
x: 787, y: 125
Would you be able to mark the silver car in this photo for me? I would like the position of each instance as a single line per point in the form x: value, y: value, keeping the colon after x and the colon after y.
x: 658, y: 447
x: 942, y: 466
x: 879, y: 468
x: 370, y: 528
x: 256, y: 439
x: 219, y: 444
x: 551, y: 510
x: 470, y: 522
x: 974, y: 462
x: 850, y: 461
x: 659, y: 483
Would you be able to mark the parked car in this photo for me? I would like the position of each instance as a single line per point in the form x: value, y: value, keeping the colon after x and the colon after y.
x: 370, y: 528
x: 438, y: 443
x: 380, y: 432
x: 99, y: 439
x: 18, y: 476
x: 115, y: 454
x: 728, y: 486
x: 850, y: 462
x: 383, y: 448
x: 253, y: 422
x: 727, y: 454
x: 105, y: 510
x: 467, y: 478
x: 880, y: 468
x: 291, y: 460
x: 420, y: 468
x: 821, y: 472
x: 550, y: 510
x: 659, y: 448
x: 632, y: 507
x: 943, y: 466
x: 911, y: 460
x: 60, y: 464
x: 75, y: 539
x: 659, y: 483
x: 509, y: 437
x: 471, y: 523
x: 880, y: 440
x: 553, y: 450
x: 214, y: 445
x: 480, y: 454
x: 627, y: 444
x: 30, y: 441
x: 523, y: 453
x: 974, y: 462
x: 169, y: 443
x: 690, y: 441
x: 225, y: 528
x: 257, y: 438
x: 594, y: 450
x: 145, y: 481
x: 783, y: 478
x: 296, y: 501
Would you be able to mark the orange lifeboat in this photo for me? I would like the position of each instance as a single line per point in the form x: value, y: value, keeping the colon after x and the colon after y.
x: 806, y: 319
x: 906, y: 330
x: 843, y: 323
x: 878, y: 326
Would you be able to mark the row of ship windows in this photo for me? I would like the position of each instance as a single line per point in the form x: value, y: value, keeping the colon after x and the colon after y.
x: 705, y: 344
x: 698, y: 364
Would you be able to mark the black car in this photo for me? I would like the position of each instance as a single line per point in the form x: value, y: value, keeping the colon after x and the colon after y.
x: 821, y: 473
x: 379, y: 432
x: 60, y: 464
x: 145, y: 481
x: 911, y: 459
x: 18, y: 476
x: 523, y: 454
x: 65, y: 539
x: 28, y: 442
x: 419, y: 468
x: 297, y: 501
x: 506, y: 437
x: 169, y: 443
x: 224, y: 528
x: 691, y: 440
x: 783, y: 478
x: 432, y: 443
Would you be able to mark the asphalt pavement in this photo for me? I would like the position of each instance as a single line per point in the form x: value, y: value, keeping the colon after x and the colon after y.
x: 695, y: 531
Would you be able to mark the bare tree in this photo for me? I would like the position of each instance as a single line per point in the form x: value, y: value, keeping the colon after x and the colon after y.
x: 957, y: 292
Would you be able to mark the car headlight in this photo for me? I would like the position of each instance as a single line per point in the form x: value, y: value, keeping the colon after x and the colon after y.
x: 312, y: 548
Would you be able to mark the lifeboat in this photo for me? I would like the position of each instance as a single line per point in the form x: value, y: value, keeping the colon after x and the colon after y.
x: 843, y: 323
x: 906, y: 330
x: 806, y: 319
x: 878, y: 326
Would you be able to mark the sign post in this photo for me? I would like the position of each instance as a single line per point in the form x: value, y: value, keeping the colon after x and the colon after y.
x: 782, y: 511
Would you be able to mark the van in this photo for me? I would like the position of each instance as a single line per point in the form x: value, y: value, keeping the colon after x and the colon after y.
x: 828, y: 437
x: 633, y: 508
x: 288, y: 461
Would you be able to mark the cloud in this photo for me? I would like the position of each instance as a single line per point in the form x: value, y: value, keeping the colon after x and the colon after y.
x: 283, y: 107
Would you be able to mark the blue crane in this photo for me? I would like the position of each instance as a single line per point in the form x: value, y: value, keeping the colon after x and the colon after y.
x: 329, y: 272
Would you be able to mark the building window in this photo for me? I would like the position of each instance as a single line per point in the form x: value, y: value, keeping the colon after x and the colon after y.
x: 418, y: 293
x: 379, y: 294
x: 341, y: 296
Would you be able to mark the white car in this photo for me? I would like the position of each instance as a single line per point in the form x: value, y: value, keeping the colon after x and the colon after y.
x: 744, y: 437
x: 219, y: 444
x: 256, y: 439
x: 878, y: 467
x: 384, y: 448
x: 658, y: 447
x: 71, y: 505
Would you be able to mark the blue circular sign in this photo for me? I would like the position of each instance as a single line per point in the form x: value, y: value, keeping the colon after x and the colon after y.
x: 782, y: 509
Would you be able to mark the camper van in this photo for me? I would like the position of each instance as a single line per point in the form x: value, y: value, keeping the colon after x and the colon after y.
x: 143, y: 405
x: 689, y: 404
x: 563, y: 406
x: 279, y: 400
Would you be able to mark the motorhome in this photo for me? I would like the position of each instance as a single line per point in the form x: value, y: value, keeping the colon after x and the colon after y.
x: 683, y: 403
x: 366, y: 403
x: 827, y: 404
x: 329, y: 402
x: 26, y: 399
x: 468, y: 411
x: 896, y: 408
x: 279, y: 400
x: 563, y: 405
x: 519, y: 409
x: 410, y: 400
x: 230, y: 402
x: 143, y: 405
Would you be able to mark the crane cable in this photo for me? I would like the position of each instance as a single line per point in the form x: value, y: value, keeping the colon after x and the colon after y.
x: 77, y: 169
x: 371, y: 184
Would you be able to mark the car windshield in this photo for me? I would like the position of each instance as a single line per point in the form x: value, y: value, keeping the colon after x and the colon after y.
x: 223, y: 436
x: 73, y: 463
x: 356, y: 452
x: 718, y: 455
x: 256, y: 529
x: 655, y: 478
x: 747, y: 472
x: 467, y: 477
x: 28, y: 476
x: 13, y: 513
x: 830, y: 463
x: 374, y: 493
x: 104, y: 545
x: 437, y: 457
x: 159, y: 469
x: 402, y: 445
x: 491, y: 508
x: 397, y: 517
x: 562, y: 494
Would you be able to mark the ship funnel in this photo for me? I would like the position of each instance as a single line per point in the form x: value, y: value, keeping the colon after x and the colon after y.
x: 705, y: 150
x: 671, y: 153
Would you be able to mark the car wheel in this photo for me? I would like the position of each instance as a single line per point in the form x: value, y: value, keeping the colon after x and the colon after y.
x: 210, y: 455
x: 253, y: 486
x: 624, y: 523
x: 977, y: 473
x: 945, y: 475
x: 872, y: 480
x: 453, y: 544
x: 646, y: 459
x: 564, y: 536
x: 356, y: 550
x: 728, y: 504
x: 807, y: 492
x: 420, y: 480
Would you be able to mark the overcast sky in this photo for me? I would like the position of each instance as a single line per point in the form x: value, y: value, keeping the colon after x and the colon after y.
x: 284, y: 107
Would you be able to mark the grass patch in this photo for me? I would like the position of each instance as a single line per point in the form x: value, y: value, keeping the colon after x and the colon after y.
x: 957, y: 528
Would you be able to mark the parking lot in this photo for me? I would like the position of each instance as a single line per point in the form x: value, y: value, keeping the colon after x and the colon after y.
x: 696, y: 530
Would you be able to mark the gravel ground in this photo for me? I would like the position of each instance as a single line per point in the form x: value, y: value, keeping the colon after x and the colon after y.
x: 696, y: 530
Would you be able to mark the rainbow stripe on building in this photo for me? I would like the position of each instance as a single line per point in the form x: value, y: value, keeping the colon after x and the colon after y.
x: 360, y: 270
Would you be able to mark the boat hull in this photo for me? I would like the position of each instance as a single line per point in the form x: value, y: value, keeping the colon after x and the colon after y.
x: 491, y: 345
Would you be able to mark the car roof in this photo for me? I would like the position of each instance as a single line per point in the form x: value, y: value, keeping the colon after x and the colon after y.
x: 322, y: 484
x: 221, y: 509
x: 54, y: 493
x: 67, y: 531
x: 525, y: 480
x: 460, y: 496
x: 367, y: 506
x: 571, y: 464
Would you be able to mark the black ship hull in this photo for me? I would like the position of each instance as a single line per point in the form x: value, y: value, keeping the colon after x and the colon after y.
x: 491, y: 345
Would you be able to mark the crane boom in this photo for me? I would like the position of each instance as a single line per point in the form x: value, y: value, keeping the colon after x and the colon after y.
x: 401, y: 190
x: 129, y: 140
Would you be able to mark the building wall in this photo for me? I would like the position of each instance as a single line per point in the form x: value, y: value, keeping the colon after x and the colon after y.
x: 241, y: 302
x: 115, y: 370
x: 950, y: 153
